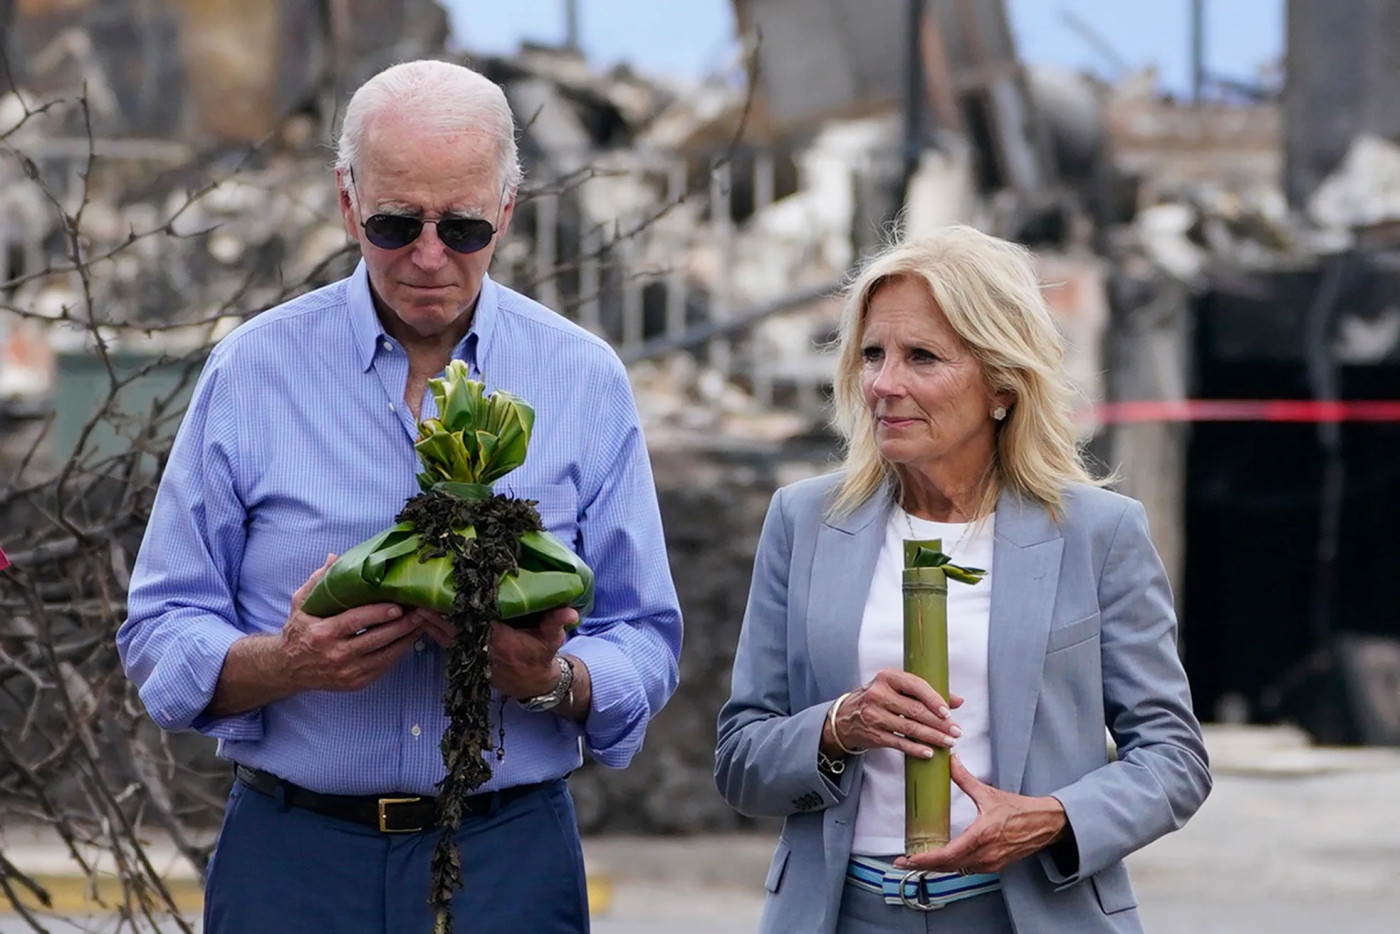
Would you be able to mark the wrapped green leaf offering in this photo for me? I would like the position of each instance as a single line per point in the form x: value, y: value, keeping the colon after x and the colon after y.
x: 927, y: 786
x: 474, y: 441
x: 476, y: 558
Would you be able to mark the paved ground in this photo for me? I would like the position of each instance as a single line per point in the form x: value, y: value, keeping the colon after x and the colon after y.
x: 1293, y: 840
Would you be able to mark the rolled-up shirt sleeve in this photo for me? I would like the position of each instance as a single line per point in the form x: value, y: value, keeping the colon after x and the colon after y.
x: 631, y: 640
x: 181, y: 616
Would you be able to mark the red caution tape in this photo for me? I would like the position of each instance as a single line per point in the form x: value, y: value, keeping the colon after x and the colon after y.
x: 1245, y: 410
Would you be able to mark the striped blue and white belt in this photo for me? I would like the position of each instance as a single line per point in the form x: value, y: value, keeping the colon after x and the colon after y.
x: 924, y: 891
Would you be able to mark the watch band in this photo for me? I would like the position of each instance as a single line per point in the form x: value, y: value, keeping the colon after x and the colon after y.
x: 555, y: 696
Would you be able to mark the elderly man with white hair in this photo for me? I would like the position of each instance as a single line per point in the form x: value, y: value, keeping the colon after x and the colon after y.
x: 298, y: 443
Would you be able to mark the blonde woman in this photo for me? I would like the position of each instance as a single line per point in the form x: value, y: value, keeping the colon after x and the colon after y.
x: 956, y: 415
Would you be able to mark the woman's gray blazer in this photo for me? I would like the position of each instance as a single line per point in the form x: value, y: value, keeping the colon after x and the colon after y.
x: 1082, y: 635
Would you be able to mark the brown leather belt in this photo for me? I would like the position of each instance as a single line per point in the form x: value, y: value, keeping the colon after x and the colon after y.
x: 393, y: 813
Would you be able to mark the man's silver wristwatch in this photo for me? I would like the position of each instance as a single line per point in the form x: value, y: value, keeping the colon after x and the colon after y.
x: 554, y: 696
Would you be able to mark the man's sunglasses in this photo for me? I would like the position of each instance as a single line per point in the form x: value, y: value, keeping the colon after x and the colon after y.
x: 396, y: 231
x: 460, y: 234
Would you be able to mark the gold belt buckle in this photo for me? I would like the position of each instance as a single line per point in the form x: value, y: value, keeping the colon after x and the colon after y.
x: 383, y: 816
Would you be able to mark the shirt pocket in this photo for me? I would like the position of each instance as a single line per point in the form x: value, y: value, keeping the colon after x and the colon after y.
x: 1072, y: 634
x: 557, y: 504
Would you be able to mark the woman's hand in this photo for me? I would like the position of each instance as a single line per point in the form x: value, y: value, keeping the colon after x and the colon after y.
x: 897, y: 710
x: 1008, y: 827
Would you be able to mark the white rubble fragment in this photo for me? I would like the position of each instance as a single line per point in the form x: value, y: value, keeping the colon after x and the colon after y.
x: 1365, y: 188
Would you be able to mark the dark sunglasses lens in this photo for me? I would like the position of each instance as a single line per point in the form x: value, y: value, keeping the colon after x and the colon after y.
x: 465, y: 234
x: 392, y: 231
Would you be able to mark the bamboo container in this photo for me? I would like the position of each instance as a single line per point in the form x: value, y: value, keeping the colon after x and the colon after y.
x: 927, y: 785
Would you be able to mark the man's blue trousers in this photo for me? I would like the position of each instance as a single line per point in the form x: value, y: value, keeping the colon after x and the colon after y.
x: 284, y: 869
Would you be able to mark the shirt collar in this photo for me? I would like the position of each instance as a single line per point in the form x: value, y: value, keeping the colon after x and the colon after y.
x: 364, y: 323
x: 478, y: 341
x: 368, y: 332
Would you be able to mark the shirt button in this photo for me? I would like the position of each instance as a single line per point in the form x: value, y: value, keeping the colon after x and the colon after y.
x: 387, y: 346
x: 419, y: 646
x: 391, y: 407
x: 416, y: 729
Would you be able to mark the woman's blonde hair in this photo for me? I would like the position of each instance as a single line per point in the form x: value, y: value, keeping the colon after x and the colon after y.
x: 988, y: 290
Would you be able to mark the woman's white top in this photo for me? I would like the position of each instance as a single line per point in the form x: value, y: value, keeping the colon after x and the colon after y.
x: 879, y: 829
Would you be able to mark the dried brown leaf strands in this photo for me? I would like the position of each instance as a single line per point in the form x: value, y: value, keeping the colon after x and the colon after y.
x: 477, y: 564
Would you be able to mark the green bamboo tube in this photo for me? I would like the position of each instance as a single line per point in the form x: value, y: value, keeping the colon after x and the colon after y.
x: 927, y: 785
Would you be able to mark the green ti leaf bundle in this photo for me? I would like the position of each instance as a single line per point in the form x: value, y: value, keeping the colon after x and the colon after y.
x: 475, y: 440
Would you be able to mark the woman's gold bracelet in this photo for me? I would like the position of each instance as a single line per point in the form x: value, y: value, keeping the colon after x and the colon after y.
x: 831, y: 722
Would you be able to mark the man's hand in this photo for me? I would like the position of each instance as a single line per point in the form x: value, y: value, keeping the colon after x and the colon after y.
x: 434, y: 625
x: 522, y: 657
x: 1008, y: 827
x: 347, y: 651
x: 344, y: 652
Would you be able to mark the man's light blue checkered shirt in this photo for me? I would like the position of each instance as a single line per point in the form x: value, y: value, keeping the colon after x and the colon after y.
x: 297, y: 444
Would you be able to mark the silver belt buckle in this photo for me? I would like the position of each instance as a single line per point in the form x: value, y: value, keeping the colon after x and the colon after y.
x: 923, y: 899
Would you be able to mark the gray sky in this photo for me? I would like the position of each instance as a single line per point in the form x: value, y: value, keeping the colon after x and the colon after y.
x: 687, y: 38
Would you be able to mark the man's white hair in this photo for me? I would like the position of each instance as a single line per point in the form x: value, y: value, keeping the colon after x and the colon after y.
x: 439, y: 96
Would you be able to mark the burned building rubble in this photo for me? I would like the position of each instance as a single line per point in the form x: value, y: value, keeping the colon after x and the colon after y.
x: 228, y: 71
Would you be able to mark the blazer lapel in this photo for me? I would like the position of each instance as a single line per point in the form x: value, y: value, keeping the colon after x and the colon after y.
x: 1025, y: 577
x: 842, y: 567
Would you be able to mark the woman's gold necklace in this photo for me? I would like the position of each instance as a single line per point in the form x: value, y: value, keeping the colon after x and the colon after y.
x: 909, y: 521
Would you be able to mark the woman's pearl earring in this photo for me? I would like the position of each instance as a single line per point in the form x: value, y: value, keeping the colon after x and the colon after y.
x: 999, y: 412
